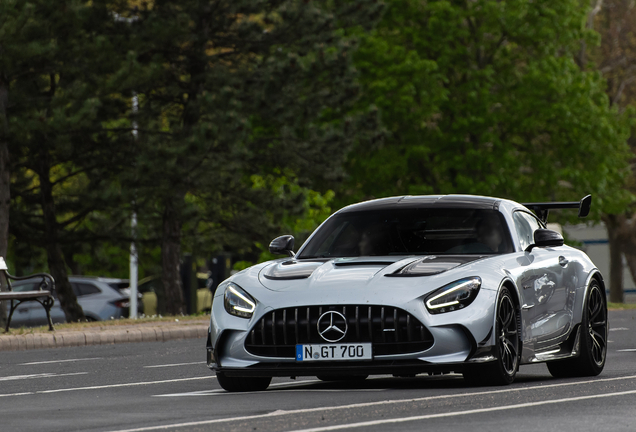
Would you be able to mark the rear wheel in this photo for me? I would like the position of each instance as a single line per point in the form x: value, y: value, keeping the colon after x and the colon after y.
x: 242, y: 384
x: 593, y: 339
x: 503, y: 370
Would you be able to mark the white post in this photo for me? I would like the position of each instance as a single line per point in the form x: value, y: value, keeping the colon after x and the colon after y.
x: 133, y: 269
x: 134, y: 264
x: 133, y: 219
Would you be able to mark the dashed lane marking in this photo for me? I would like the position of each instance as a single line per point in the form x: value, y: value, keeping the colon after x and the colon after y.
x: 42, y: 375
x: 174, y: 364
x: 143, y: 383
x: 59, y: 361
x: 221, y: 391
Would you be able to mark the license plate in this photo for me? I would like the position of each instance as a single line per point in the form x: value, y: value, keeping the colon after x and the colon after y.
x: 361, y: 351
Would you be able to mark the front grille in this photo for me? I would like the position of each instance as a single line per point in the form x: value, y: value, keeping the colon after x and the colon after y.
x: 391, y: 330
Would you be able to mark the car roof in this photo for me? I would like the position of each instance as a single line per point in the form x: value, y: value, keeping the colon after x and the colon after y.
x: 427, y: 201
x: 95, y: 278
x: 105, y: 280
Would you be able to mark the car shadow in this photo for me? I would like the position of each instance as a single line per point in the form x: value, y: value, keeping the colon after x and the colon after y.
x: 419, y: 382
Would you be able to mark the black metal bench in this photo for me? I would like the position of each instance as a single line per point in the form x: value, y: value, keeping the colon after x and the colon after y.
x: 43, y: 295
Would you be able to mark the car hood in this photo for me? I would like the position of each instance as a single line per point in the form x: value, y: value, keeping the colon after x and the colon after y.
x: 360, y: 272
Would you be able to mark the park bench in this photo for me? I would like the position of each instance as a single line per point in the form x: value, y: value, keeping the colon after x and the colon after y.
x: 43, y: 295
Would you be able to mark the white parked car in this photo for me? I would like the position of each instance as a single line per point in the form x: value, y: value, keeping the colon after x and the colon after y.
x: 100, y: 298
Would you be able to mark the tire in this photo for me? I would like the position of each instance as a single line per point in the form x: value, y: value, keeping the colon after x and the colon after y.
x: 243, y: 384
x: 342, y: 377
x: 503, y: 370
x: 592, y: 339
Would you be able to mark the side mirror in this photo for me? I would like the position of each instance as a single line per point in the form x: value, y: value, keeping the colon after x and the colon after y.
x: 283, y: 245
x: 546, y: 238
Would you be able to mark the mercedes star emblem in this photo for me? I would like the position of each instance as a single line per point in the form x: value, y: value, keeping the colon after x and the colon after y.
x: 332, y: 326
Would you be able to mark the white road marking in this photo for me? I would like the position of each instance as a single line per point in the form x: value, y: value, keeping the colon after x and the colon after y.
x: 627, y: 350
x: 59, y: 361
x: 460, y: 413
x: 107, y: 386
x: 618, y: 329
x: 174, y: 364
x: 221, y: 391
x: 42, y: 375
x: 225, y: 392
x: 391, y: 402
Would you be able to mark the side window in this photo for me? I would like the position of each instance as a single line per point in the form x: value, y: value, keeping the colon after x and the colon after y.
x: 526, y: 225
x: 25, y: 287
x: 82, y: 289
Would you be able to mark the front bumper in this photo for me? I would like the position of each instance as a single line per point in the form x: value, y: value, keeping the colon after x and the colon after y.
x: 455, y: 345
x: 398, y: 367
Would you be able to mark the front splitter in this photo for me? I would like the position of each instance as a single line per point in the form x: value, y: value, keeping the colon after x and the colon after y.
x: 401, y: 368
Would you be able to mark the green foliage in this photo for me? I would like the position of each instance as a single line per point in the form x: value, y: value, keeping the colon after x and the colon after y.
x: 57, y: 59
x: 485, y: 97
x: 252, y: 112
x: 55, y: 66
x: 245, y: 107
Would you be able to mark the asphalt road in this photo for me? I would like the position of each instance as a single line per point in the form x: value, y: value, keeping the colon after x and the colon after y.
x: 167, y: 386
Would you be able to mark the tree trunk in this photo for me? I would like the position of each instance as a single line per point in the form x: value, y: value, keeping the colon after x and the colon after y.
x: 614, y: 235
x: 628, y: 239
x: 171, y: 255
x: 5, y: 182
x: 57, y: 267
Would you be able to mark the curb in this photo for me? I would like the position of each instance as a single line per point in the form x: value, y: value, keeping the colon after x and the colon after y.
x: 104, y: 337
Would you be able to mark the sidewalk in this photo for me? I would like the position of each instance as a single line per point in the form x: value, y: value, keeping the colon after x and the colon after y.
x: 104, y: 335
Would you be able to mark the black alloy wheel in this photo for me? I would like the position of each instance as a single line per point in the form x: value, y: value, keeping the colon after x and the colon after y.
x: 508, y: 335
x: 503, y: 370
x: 592, y: 339
x: 597, y: 328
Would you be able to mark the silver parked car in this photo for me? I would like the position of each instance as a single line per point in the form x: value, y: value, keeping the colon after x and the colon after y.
x: 414, y: 284
x: 99, y: 297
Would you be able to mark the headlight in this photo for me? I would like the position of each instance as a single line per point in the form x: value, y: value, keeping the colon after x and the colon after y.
x: 237, y: 302
x: 454, y: 296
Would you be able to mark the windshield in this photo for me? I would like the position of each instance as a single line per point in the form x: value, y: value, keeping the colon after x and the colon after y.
x: 411, y: 232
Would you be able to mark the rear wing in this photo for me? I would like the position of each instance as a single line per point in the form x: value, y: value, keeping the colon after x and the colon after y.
x: 542, y: 209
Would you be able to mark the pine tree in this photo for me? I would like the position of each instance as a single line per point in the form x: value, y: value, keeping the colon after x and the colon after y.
x: 234, y: 93
x: 57, y: 61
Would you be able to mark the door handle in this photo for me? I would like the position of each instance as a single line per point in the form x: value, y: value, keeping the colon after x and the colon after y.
x: 527, y: 306
x: 563, y: 261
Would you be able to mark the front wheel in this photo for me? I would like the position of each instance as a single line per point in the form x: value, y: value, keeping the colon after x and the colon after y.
x: 593, y: 339
x: 503, y: 370
x: 243, y: 384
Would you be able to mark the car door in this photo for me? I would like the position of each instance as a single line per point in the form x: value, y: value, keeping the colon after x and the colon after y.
x: 37, y: 313
x: 22, y: 314
x: 547, y: 293
x: 31, y: 313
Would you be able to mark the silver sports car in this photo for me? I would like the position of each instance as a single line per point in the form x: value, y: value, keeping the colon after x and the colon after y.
x: 414, y: 284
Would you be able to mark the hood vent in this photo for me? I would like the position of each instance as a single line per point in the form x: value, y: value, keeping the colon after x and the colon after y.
x: 292, y: 269
x: 432, y: 265
x: 362, y: 263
